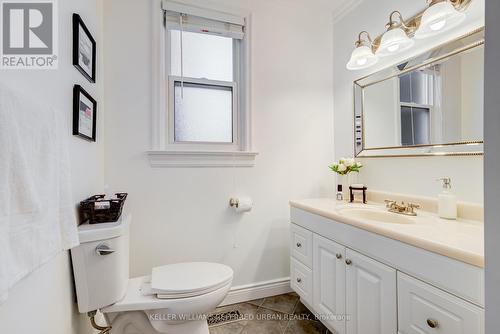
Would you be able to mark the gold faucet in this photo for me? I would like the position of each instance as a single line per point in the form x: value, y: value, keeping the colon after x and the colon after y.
x: 402, y: 209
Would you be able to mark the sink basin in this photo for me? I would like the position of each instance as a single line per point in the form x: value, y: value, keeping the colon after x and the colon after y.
x: 376, y: 215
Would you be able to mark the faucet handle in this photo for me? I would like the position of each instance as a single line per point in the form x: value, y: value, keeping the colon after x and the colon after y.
x: 411, y: 207
x: 389, y: 203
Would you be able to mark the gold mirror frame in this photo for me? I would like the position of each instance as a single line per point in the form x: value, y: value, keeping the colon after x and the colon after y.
x: 462, y: 44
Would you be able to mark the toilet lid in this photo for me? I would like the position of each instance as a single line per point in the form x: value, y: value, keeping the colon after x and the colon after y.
x: 189, y: 279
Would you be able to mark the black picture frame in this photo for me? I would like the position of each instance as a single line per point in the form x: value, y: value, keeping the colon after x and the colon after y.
x: 78, y: 105
x: 79, y: 26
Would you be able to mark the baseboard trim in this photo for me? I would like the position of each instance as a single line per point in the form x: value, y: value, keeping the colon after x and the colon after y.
x: 244, y: 293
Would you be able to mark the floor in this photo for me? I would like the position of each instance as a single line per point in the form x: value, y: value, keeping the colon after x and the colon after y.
x: 283, y: 314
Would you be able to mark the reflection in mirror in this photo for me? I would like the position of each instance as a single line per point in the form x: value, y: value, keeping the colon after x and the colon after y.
x: 431, y: 103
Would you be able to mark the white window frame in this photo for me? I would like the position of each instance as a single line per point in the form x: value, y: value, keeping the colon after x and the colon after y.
x: 165, y: 151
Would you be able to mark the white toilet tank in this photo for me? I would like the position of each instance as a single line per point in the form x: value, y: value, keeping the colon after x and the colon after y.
x: 101, y: 264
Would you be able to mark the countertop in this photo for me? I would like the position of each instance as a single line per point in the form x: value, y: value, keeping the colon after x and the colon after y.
x: 462, y: 240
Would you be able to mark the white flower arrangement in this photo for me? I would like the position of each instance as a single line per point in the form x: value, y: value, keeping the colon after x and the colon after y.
x: 345, y: 166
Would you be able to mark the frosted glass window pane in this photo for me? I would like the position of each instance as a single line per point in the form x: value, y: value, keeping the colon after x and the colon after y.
x: 421, y: 124
x: 205, y: 56
x: 205, y: 114
x: 406, y: 127
x: 405, y: 88
x: 415, y: 126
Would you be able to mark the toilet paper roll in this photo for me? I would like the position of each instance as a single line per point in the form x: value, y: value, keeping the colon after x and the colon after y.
x: 245, y: 204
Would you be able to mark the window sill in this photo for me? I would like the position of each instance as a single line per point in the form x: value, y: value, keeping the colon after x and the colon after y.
x: 171, y: 159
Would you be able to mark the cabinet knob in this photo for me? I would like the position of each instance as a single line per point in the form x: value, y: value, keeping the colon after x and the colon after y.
x: 299, y: 280
x: 338, y: 255
x: 348, y: 262
x: 432, y: 323
x: 299, y: 245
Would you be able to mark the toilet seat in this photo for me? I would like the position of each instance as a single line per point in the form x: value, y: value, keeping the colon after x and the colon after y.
x: 212, y: 283
x: 183, y: 280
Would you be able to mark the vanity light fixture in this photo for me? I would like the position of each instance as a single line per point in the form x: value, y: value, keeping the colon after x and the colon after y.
x: 362, y: 56
x: 441, y: 15
x: 395, y: 39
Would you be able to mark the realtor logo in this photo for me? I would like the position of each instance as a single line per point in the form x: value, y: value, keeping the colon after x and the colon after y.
x: 29, y: 34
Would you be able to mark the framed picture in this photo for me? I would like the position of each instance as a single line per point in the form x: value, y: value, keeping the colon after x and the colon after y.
x: 84, y: 114
x: 84, y: 49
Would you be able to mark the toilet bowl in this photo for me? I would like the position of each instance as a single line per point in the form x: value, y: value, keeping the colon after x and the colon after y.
x: 169, y: 313
x: 174, y: 299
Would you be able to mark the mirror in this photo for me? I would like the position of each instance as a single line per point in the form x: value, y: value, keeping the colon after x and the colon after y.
x: 429, y: 105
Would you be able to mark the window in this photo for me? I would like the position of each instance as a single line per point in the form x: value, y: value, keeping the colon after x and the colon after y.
x: 416, y: 96
x: 203, y: 113
x: 415, y: 124
x: 201, y: 88
x: 204, y: 56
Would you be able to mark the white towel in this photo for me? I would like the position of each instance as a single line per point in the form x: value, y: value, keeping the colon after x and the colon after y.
x: 37, y: 213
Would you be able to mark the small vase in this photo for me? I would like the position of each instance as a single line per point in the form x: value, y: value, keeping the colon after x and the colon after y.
x: 344, y: 181
x: 352, y: 178
x: 347, y: 181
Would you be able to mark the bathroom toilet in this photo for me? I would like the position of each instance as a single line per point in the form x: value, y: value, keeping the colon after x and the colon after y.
x: 174, y: 299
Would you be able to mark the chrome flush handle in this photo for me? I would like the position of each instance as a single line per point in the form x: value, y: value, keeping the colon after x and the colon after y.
x: 432, y: 323
x: 104, y: 250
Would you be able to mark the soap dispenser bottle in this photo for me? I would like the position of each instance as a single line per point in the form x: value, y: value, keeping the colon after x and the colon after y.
x: 447, y: 206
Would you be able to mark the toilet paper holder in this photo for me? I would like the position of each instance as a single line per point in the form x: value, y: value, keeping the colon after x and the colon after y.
x: 234, y: 203
x: 241, y: 204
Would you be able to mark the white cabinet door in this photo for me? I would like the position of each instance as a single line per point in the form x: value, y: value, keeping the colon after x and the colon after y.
x: 371, y: 300
x: 329, y: 282
x: 424, y: 309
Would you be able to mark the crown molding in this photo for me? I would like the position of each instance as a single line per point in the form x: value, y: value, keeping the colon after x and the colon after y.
x: 344, y: 9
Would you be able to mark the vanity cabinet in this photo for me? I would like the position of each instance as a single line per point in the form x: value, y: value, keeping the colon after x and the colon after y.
x: 302, y: 245
x: 371, y: 301
x: 301, y: 281
x: 301, y: 276
x: 348, y: 283
x: 358, y: 282
x: 424, y: 309
x: 329, y: 285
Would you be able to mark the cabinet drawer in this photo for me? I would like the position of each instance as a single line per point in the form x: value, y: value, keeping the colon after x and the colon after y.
x: 301, y: 244
x: 301, y: 280
x: 426, y: 309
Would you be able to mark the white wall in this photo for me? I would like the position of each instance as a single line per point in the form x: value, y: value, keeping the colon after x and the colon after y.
x: 492, y: 161
x: 410, y: 176
x: 182, y: 214
x: 43, y: 302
